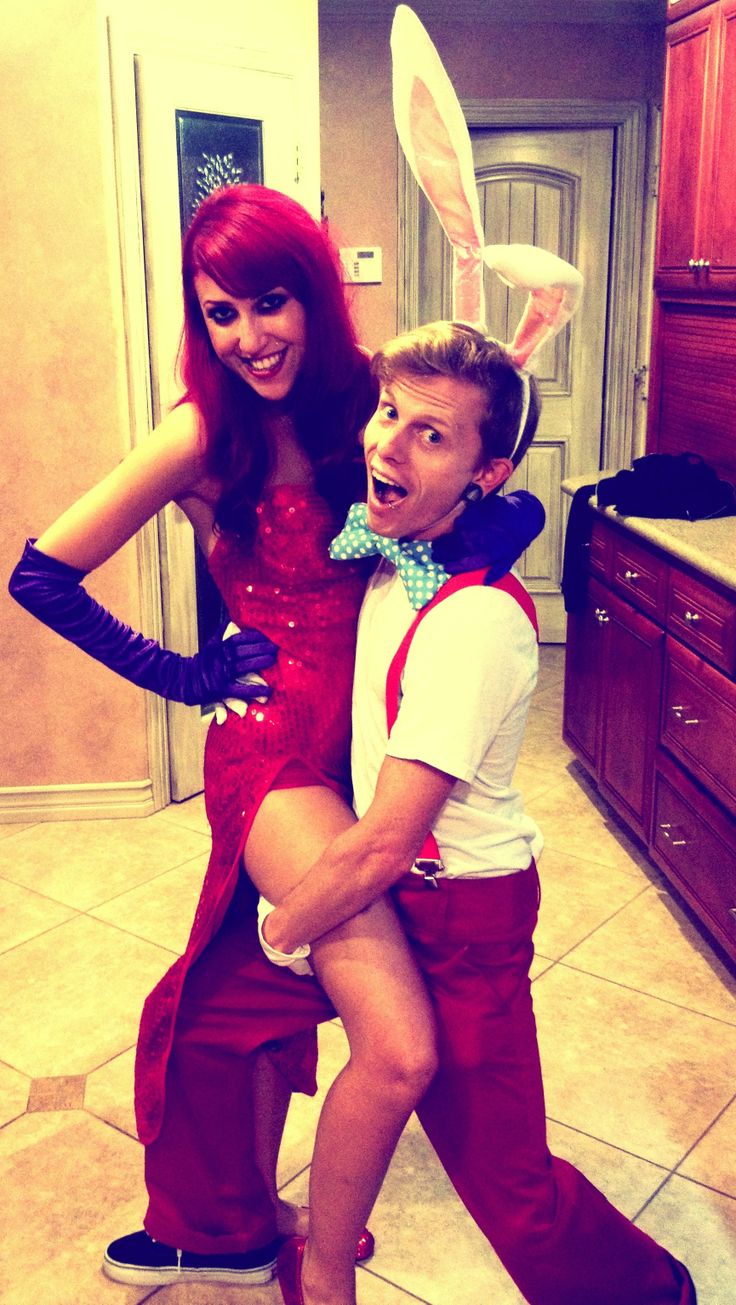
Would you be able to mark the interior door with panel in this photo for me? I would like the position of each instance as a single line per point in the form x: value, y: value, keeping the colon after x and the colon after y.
x: 200, y: 125
x: 550, y: 187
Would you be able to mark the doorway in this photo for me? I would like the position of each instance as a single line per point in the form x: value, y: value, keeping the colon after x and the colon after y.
x: 570, y: 178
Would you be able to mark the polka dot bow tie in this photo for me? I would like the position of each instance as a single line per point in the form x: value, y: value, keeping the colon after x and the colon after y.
x: 412, y: 558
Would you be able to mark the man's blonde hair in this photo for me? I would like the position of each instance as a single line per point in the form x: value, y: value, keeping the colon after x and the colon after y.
x: 460, y: 351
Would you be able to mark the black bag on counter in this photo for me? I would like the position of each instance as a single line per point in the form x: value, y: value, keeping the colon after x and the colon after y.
x: 668, y: 485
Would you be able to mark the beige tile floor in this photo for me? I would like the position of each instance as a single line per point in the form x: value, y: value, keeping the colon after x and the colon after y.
x: 637, y: 1021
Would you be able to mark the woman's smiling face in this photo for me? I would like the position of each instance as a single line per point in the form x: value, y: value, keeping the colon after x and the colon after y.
x: 422, y: 448
x: 262, y: 339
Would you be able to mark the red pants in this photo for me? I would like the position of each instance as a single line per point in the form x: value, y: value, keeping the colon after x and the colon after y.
x: 559, y: 1238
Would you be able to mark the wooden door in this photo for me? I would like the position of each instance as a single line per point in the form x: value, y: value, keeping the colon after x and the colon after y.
x: 683, y: 226
x: 551, y: 187
x: 632, y: 676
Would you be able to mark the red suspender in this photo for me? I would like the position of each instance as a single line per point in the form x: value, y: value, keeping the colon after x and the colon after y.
x: 510, y: 585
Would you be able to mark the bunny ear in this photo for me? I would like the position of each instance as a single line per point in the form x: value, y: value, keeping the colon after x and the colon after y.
x: 435, y: 139
x: 554, y: 289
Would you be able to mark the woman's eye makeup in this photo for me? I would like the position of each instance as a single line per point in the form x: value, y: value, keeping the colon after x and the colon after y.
x: 220, y: 314
x: 272, y: 302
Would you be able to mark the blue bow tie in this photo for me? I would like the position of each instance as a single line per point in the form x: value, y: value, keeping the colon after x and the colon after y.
x: 412, y: 558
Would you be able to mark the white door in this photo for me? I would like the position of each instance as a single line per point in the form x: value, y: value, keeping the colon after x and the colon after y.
x: 552, y: 188
x: 200, y: 124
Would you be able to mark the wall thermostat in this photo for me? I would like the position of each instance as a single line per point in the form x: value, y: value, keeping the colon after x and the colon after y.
x: 362, y: 265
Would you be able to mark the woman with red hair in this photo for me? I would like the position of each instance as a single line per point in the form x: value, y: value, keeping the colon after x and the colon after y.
x: 263, y: 456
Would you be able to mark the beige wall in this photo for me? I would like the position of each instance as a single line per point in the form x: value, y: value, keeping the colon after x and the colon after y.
x: 65, y: 719
x: 359, y: 149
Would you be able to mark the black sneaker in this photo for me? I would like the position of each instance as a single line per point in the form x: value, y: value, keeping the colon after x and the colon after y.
x: 140, y: 1260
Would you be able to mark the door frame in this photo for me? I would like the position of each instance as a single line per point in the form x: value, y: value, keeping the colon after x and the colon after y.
x: 631, y: 257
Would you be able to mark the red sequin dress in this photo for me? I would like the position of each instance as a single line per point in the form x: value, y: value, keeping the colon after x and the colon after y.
x: 288, y: 587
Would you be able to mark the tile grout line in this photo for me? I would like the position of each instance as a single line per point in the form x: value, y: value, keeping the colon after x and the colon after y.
x: 614, y: 1146
x: 640, y: 992
x: 675, y: 1171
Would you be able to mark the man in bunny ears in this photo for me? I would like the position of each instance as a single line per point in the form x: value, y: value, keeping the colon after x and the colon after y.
x: 445, y: 670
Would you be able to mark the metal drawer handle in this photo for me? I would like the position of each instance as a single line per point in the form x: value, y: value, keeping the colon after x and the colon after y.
x: 692, y: 617
x: 678, y: 712
x: 601, y: 615
x: 732, y: 911
x: 632, y: 576
x: 692, y: 264
x: 676, y: 842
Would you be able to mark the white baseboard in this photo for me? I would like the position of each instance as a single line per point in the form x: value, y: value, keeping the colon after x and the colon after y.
x: 119, y: 801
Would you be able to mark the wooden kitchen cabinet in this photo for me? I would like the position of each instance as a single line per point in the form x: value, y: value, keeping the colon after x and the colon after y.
x: 696, y: 228
x: 650, y: 711
x: 614, y: 654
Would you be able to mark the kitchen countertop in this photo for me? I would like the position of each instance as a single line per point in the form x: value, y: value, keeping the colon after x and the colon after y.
x: 710, y: 546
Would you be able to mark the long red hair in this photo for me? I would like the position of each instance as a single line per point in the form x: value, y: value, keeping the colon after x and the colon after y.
x: 249, y: 239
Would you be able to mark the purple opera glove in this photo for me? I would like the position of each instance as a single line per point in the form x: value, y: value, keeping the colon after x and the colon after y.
x: 52, y: 591
x: 491, y: 533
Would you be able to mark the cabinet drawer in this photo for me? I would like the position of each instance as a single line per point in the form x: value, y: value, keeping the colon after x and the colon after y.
x: 640, y: 575
x: 703, y: 617
x: 694, y: 842
x: 699, y: 720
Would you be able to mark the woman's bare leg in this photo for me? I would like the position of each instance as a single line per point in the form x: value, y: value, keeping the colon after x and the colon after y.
x: 366, y: 968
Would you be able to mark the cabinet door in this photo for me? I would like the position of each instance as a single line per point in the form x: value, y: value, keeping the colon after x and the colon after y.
x: 583, y: 675
x: 687, y: 146
x: 722, y: 272
x: 632, y: 676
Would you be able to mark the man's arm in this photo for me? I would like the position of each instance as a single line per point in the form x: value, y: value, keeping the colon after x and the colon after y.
x: 361, y: 864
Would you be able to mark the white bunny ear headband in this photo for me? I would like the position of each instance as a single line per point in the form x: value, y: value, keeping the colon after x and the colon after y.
x: 435, y: 139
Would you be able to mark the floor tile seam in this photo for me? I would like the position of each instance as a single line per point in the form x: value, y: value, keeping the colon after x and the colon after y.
x: 110, y: 1123
x: 22, y: 829
x: 694, y: 1182
x: 548, y: 708
x: 144, y: 882
x: 111, y: 924
x: 613, y: 1146
x: 390, y: 1282
x: 21, y: 1115
x: 5, y: 1064
x: 652, y: 996
x: 624, y: 906
x: 76, y: 914
x: 709, y: 1127
x: 304, y: 1169
x: 605, y: 865
x: 93, y: 906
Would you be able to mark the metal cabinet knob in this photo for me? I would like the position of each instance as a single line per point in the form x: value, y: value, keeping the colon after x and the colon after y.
x: 692, y: 617
x: 676, y: 842
x: 631, y: 576
x: 732, y: 911
x: 679, y: 713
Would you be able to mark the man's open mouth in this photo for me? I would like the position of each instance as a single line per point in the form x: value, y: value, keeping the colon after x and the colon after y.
x: 388, y: 492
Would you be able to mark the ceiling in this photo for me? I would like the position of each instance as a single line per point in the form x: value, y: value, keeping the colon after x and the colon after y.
x: 630, y: 12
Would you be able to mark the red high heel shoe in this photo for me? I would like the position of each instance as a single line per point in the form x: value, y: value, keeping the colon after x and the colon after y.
x: 366, y: 1246
x: 289, y: 1264
x: 289, y: 1270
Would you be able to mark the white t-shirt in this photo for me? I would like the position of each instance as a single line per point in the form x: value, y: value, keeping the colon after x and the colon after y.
x: 466, y: 688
